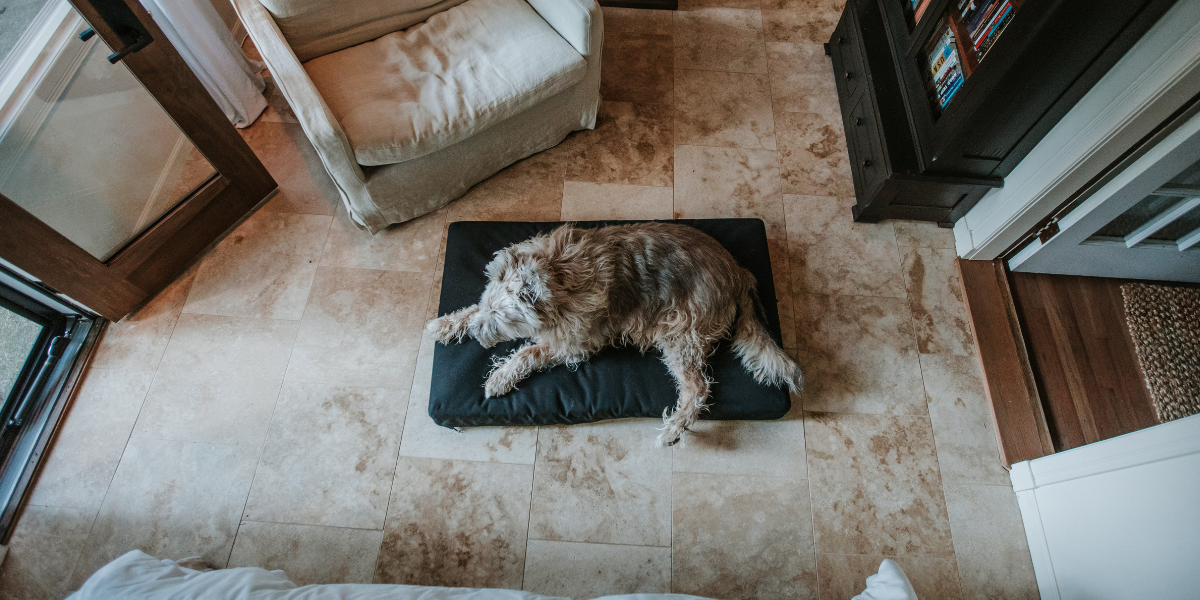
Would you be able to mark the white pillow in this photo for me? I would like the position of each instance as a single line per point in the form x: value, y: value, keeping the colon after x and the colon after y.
x: 888, y: 584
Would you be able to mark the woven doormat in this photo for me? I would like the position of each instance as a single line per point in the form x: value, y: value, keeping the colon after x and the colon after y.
x: 1165, y: 323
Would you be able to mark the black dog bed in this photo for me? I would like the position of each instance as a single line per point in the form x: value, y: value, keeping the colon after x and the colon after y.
x: 615, y: 382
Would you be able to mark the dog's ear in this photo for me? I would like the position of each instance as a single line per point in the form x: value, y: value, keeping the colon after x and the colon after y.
x: 533, y: 276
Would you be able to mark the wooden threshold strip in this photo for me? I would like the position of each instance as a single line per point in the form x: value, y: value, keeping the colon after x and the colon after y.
x: 1011, y: 389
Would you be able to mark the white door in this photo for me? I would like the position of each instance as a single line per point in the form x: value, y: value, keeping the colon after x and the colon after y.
x: 1144, y: 224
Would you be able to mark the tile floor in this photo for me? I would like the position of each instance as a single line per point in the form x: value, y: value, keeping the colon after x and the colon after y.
x: 269, y: 408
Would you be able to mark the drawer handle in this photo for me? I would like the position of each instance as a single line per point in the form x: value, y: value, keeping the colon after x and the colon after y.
x: 849, y: 75
x: 867, y: 162
x: 858, y: 120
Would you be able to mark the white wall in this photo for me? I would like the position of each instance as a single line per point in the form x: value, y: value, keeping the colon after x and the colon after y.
x: 1117, y: 519
x: 1156, y: 77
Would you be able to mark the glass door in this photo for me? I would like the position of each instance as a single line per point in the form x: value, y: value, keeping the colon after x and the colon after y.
x: 116, y: 167
x: 41, y: 338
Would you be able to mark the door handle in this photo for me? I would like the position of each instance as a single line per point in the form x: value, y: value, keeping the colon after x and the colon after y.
x: 139, y: 42
x: 130, y: 31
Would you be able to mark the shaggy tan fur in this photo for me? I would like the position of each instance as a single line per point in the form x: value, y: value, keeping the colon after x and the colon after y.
x: 659, y: 285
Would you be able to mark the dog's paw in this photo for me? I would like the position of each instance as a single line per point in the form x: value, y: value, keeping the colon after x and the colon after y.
x: 497, y: 385
x: 444, y: 329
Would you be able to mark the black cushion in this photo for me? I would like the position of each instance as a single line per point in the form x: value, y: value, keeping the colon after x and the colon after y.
x: 615, y: 382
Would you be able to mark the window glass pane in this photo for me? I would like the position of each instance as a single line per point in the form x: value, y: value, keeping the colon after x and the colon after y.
x: 17, y: 337
x: 15, y: 17
x: 91, y: 153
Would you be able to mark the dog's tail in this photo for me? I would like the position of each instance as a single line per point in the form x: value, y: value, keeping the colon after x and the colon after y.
x: 765, y: 360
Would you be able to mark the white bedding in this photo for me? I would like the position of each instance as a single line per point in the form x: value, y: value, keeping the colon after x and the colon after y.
x: 137, y: 576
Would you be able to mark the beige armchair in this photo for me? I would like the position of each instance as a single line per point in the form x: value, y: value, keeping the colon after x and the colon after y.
x: 411, y: 102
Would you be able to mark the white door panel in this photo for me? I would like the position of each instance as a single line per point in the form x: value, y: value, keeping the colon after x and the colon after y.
x: 1144, y: 224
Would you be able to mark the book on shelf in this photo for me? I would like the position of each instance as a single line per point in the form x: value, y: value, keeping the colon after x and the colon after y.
x: 945, y: 68
x: 989, y: 37
x: 920, y: 10
x: 985, y: 11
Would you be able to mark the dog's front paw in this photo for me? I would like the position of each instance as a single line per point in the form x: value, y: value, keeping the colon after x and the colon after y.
x: 446, y: 329
x: 498, y: 384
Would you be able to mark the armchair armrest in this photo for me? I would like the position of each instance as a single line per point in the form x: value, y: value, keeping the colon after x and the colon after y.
x: 315, y: 118
x: 573, y: 20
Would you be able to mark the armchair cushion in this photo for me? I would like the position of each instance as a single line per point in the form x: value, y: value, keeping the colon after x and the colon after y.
x: 416, y: 91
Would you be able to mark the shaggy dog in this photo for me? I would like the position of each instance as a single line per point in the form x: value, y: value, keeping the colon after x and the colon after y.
x: 575, y: 291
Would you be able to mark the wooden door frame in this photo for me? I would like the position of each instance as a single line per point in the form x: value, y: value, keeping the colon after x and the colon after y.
x: 116, y: 286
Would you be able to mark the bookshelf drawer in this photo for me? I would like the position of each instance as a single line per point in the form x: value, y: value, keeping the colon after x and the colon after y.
x: 845, y: 48
x: 868, y: 161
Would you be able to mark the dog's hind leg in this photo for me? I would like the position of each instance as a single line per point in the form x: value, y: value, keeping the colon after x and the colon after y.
x: 452, y: 326
x: 523, y: 361
x: 686, y: 363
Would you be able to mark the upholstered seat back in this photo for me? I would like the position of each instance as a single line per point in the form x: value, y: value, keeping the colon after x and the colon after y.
x: 317, y: 27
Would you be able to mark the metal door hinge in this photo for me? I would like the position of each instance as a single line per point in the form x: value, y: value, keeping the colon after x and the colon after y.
x: 1047, y: 232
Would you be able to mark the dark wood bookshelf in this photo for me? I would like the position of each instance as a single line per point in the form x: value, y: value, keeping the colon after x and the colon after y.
x: 915, y: 159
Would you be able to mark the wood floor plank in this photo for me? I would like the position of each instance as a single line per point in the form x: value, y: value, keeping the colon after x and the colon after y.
x: 1011, y: 390
x: 1083, y: 357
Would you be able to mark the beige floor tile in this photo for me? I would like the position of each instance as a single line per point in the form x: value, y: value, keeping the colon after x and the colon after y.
x: 875, y: 486
x: 456, y: 523
x: 844, y: 576
x: 584, y: 201
x: 583, y: 571
x: 330, y: 456
x: 361, y: 327
x: 763, y: 448
x: 863, y: 263
x: 720, y: 39
x: 264, y: 269
x: 309, y: 555
x: 280, y: 143
x: 690, y: 4
x: 858, y: 355
x: 742, y: 537
x: 962, y: 421
x: 409, y: 246
x: 171, y: 500
x: 137, y: 342
x: 812, y: 155
x: 920, y: 234
x: 632, y: 143
x: 42, y: 551
x: 800, y: 20
x: 91, y: 438
x: 426, y: 439
x: 218, y: 381
x: 829, y: 254
x: 713, y: 183
x: 802, y: 78
x: 638, y: 20
x: 935, y: 295
x: 723, y: 109
x: 782, y: 274
x: 811, y: 218
x: 602, y: 483
x: 529, y: 190
x: 637, y: 67
x: 989, y: 539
